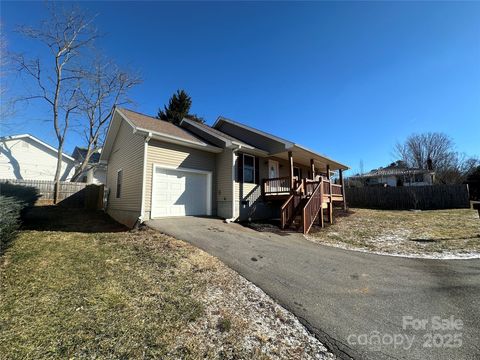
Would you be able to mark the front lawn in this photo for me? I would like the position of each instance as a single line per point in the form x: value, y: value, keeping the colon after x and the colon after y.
x: 77, y: 285
x: 437, y: 233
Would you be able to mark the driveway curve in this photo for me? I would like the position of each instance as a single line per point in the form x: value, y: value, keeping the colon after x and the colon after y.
x: 420, y: 308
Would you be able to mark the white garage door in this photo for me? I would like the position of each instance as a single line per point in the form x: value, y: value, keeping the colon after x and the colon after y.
x: 180, y: 192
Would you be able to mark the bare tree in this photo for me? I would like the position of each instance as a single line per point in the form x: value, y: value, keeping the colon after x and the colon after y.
x: 105, y: 86
x: 435, y: 151
x: 5, y: 106
x: 362, y: 167
x: 419, y: 148
x: 67, y: 35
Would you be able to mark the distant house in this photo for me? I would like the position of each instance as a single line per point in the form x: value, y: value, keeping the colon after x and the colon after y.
x: 396, y: 174
x: 95, y: 172
x: 26, y: 157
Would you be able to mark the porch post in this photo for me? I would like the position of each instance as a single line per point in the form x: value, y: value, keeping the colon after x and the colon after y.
x: 340, y: 173
x: 330, y: 204
x: 312, y: 168
x: 290, y: 174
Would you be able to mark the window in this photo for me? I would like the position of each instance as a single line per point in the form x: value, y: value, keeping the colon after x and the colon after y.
x: 418, y: 178
x: 248, y: 169
x: 119, y: 182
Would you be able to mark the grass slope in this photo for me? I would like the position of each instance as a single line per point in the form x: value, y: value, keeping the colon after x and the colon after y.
x: 408, y: 232
x: 104, y: 295
x: 77, y: 285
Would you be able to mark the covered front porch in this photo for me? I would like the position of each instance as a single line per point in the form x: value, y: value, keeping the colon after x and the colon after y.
x: 311, y: 184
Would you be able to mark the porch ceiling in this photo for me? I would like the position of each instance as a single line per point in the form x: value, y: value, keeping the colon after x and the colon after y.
x: 302, y: 156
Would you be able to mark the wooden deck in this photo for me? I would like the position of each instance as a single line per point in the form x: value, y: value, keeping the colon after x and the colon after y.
x: 306, y: 201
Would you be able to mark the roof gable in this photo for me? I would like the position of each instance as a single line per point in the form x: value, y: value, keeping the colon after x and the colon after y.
x: 80, y: 153
x: 149, y: 123
x: 37, y: 141
x: 151, y: 127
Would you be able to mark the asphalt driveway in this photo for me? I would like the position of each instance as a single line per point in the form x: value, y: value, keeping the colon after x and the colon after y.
x: 346, y: 297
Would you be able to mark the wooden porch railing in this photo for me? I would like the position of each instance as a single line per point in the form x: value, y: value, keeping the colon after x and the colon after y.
x: 337, y: 190
x: 310, y: 186
x: 287, y: 211
x: 313, y: 206
x: 326, y: 186
x: 276, y: 185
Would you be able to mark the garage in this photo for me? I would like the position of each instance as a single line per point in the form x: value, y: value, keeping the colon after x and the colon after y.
x: 181, y: 192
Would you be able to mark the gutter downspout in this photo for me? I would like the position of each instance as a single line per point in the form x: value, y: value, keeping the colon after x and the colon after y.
x: 141, y: 219
x: 234, y: 217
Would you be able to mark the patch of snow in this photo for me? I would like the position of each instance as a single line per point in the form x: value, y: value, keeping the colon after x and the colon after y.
x: 446, y: 255
x: 259, y: 326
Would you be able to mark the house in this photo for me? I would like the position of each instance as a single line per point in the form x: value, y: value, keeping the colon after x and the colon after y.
x: 95, y: 172
x: 396, y: 174
x: 26, y: 157
x: 158, y: 169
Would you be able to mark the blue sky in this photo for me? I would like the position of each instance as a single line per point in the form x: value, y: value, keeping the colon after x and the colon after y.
x: 346, y: 79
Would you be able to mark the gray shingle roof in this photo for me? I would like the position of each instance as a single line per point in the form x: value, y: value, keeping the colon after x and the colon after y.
x: 153, y: 124
x: 394, y: 172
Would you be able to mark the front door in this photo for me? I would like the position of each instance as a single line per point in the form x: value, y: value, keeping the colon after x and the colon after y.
x: 274, y: 172
x: 273, y: 169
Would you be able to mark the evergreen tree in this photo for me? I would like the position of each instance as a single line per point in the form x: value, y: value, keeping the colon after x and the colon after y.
x: 178, y: 108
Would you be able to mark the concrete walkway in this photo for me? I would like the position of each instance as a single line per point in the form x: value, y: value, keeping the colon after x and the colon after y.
x: 345, y: 296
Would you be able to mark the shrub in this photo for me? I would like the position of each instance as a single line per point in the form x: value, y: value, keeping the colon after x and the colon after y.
x: 26, y: 194
x: 10, y: 212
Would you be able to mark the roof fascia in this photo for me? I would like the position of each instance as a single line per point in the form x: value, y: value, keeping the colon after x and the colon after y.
x: 178, y: 141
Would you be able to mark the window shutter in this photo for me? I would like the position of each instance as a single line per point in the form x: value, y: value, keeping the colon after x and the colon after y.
x: 240, y: 167
x: 257, y: 170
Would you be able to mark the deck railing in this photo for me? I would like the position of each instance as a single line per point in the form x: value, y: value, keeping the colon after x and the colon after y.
x: 310, y: 186
x: 337, y: 190
x: 276, y: 185
x: 281, y: 186
x: 313, y: 207
x: 326, y: 187
x: 287, y: 211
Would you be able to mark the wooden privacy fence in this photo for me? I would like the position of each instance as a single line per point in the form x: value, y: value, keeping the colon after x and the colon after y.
x: 70, y: 194
x: 409, y: 197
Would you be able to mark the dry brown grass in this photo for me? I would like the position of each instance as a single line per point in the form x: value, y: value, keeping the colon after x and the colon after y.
x: 110, y: 293
x: 409, y: 232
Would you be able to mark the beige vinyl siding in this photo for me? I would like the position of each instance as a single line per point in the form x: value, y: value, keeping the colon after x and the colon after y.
x: 172, y: 155
x: 224, y: 171
x: 252, y: 193
x: 255, y: 208
x: 127, y: 154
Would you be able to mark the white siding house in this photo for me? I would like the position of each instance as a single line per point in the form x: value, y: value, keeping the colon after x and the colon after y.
x: 27, y: 158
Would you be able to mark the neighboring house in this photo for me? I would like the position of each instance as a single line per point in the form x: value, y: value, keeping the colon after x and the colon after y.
x: 158, y: 169
x: 95, y: 172
x: 27, y: 158
x: 394, y: 175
